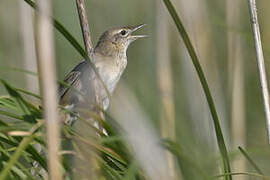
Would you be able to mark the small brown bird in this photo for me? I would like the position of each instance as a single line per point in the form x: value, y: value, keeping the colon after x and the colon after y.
x: 85, y: 89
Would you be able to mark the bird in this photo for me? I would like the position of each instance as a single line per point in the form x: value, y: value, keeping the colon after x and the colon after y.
x: 84, y: 89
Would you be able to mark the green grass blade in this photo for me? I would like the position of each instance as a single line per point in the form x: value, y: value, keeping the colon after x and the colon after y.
x: 7, y: 141
x: 20, y: 171
x: 15, y: 157
x: 196, y: 63
x: 35, y: 155
x: 11, y: 115
x: 70, y: 39
x: 189, y: 165
x: 5, y: 129
x: 28, y: 110
x: 241, y: 173
x: 74, y: 43
x: 101, y: 149
x: 250, y: 160
x: 8, y: 103
x: 131, y: 172
x: 113, y: 173
x: 7, y: 68
x: 19, y: 100
x: 3, y: 123
x: 30, y: 150
x: 28, y: 93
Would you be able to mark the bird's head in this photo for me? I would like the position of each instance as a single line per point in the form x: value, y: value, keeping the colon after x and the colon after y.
x: 116, y: 40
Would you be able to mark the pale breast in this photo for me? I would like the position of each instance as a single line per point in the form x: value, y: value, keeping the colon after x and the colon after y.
x: 110, y: 71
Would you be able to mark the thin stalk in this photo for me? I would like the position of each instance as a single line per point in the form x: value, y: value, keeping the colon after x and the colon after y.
x: 165, y: 83
x: 74, y: 43
x: 250, y: 160
x: 239, y: 174
x: 19, y: 151
x: 48, y: 87
x: 260, y: 61
x: 84, y: 26
x: 13, y: 160
x: 196, y: 63
x: 236, y: 81
x: 81, y: 8
x: 29, y: 51
x: 87, y: 38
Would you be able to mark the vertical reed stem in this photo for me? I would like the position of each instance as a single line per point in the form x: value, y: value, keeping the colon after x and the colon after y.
x: 29, y: 51
x: 87, y: 37
x: 165, y: 83
x: 260, y: 62
x: 84, y: 26
x: 203, y: 81
x: 46, y: 65
x: 87, y: 167
x: 236, y: 82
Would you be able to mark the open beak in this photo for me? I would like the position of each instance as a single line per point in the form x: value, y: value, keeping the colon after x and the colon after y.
x: 135, y: 28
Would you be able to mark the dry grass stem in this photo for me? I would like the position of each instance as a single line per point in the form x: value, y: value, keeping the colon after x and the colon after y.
x: 46, y: 65
x: 236, y: 83
x: 84, y: 26
x: 165, y: 83
x: 260, y: 62
x: 29, y: 51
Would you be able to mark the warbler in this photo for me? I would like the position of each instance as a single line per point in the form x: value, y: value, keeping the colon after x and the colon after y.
x: 84, y: 89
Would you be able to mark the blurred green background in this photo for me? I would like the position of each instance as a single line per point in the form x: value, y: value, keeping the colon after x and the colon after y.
x: 221, y: 34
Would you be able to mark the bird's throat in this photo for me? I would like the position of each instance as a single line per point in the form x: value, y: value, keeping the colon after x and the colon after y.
x: 110, y: 49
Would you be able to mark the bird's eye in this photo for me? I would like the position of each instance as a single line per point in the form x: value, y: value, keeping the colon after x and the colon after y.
x: 123, y: 32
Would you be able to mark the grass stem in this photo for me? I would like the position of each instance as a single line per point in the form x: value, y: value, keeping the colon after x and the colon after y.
x: 197, y: 65
x: 47, y: 72
x: 84, y: 26
x: 260, y: 61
